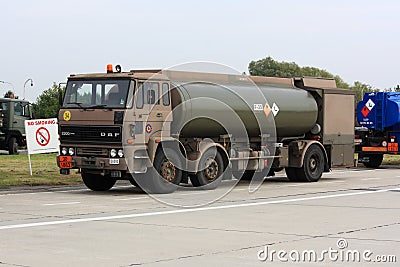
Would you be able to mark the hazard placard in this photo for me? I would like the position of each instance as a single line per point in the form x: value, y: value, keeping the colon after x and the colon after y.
x: 42, y: 136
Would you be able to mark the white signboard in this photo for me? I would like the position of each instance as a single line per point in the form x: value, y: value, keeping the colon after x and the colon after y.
x: 42, y: 136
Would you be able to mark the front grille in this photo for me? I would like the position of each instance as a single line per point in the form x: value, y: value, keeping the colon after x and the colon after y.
x: 81, y: 134
x: 96, y: 152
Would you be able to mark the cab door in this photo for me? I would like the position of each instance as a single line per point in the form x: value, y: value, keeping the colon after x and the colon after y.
x: 152, y: 107
x: 21, y: 113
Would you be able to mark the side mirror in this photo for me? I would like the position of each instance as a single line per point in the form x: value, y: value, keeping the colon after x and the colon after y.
x: 60, y: 98
x: 60, y: 94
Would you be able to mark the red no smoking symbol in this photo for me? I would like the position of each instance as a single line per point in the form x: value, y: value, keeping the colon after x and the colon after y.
x: 42, y: 136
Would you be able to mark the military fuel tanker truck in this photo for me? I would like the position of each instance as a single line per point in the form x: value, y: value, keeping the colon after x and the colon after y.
x: 160, y: 128
x: 379, y: 117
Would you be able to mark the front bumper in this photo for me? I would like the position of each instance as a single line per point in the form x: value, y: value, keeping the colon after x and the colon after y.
x: 95, y: 163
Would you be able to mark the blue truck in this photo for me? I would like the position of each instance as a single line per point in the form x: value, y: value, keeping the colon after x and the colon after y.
x: 378, y: 115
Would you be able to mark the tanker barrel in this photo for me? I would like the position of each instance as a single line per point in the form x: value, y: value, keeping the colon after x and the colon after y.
x: 379, y: 110
x: 292, y: 111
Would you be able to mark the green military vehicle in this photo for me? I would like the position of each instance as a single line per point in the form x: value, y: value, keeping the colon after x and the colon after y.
x: 13, y: 113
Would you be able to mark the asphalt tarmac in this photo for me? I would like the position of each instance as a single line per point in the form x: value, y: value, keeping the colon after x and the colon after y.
x: 350, y: 217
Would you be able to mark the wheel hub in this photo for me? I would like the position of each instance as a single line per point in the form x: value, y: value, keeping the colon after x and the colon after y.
x: 313, y: 164
x: 168, y: 171
x: 211, y: 170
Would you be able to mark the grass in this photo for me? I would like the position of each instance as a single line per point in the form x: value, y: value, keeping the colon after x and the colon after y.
x: 14, y: 171
x: 391, y: 160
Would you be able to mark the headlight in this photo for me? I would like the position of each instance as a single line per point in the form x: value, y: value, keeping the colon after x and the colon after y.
x: 64, y: 151
x: 120, y: 153
x: 71, y: 151
x: 113, y: 153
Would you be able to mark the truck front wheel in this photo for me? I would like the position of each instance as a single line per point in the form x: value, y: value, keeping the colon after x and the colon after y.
x: 165, y: 175
x: 211, y: 166
x: 98, y: 182
x: 375, y: 160
x: 12, y: 146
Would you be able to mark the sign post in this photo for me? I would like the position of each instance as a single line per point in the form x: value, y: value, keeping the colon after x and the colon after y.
x: 41, y: 137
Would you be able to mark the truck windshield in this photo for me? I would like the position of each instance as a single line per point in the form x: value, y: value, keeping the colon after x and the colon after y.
x: 98, y: 94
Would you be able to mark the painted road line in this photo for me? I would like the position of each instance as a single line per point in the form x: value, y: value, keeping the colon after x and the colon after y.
x: 190, y: 210
x: 65, y: 203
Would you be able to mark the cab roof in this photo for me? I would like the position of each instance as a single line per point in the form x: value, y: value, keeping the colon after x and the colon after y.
x: 182, y: 76
x: 2, y: 99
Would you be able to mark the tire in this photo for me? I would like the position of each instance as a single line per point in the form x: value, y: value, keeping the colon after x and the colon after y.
x: 97, y: 182
x: 164, y: 177
x: 313, y: 165
x: 375, y: 160
x: 291, y: 174
x: 211, y: 167
x: 12, y: 146
x: 132, y: 180
x: 312, y: 169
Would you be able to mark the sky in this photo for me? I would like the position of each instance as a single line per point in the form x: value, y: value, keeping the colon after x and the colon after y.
x: 47, y: 40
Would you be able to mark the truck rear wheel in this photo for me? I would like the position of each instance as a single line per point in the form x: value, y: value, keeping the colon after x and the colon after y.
x: 12, y: 145
x: 312, y: 169
x: 211, y: 167
x: 291, y: 174
x: 98, y: 182
x: 375, y: 160
x: 164, y: 177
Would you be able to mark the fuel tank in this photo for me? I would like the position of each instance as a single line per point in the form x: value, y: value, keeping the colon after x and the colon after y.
x: 379, y: 110
x: 291, y: 111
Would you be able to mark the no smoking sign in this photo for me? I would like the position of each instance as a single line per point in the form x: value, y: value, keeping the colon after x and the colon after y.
x: 42, y: 136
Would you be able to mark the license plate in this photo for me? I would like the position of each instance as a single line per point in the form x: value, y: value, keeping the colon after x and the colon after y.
x: 114, y: 161
x: 65, y: 162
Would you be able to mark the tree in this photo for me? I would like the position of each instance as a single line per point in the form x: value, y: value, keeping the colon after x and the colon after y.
x: 269, y: 67
x: 272, y: 68
x: 47, y: 103
x: 360, y: 89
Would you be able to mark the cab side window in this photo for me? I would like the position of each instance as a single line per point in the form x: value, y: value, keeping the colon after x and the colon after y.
x: 148, y: 94
x: 18, y: 109
x: 26, y: 111
x: 151, y: 93
x: 139, y: 96
x: 165, y: 94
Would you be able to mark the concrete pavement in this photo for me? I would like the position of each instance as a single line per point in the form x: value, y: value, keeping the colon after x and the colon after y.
x: 124, y: 227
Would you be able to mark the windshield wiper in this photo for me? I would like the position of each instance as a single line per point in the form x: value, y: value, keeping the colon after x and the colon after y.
x: 98, y: 106
x: 76, y: 103
x: 101, y: 106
